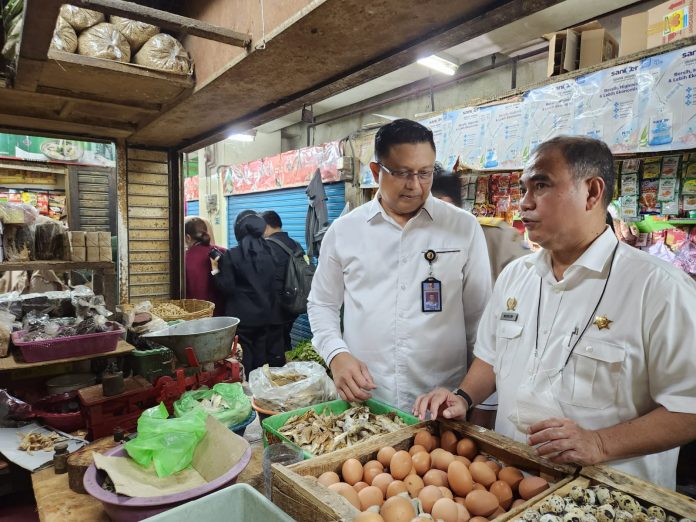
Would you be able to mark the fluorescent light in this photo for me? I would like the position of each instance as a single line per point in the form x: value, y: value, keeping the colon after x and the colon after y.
x: 439, y: 64
x: 242, y: 137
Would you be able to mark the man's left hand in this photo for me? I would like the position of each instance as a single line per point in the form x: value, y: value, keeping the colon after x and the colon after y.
x: 567, y: 442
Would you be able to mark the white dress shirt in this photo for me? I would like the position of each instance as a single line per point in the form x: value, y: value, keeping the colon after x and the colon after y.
x: 646, y: 358
x: 373, y: 267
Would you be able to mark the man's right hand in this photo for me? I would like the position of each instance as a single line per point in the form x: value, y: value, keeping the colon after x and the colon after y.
x: 352, y: 378
x: 441, y: 403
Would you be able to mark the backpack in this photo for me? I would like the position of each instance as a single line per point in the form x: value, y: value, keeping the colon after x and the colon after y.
x: 298, y: 280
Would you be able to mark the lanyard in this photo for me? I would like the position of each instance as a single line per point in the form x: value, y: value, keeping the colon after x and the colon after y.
x: 589, y: 322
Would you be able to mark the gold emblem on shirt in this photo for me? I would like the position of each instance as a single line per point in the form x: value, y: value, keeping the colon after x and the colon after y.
x: 601, y: 321
x: 511, y: 304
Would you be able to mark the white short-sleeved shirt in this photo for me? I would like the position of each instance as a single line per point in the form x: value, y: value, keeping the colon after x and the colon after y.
x: 646, y: 358
x: 374, y: 267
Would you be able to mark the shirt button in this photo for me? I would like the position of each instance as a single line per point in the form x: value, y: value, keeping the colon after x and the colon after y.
x: 588, y: 349
x: 403, y: 286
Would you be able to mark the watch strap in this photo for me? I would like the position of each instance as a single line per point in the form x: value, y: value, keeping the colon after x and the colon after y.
x: 466, y: 397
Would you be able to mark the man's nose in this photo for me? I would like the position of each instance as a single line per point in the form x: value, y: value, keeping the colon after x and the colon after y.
x: 527, y: 202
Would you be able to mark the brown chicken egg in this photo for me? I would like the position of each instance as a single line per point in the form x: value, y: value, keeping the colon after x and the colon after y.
x: 370, y: 473
x: 368, y: 516
x: 425, y: 439
x: 421, y: 462
x: 352, y: 471
x: 436, y: 477
x: 462, y: 513
x: 532, y: 486
x: 327, y: 478
x: 370, y: 496
x: 347, y: 492
x: 400, y: 465
x: 466, y: 447
x: 385, y: 455
x: 428, y: 496
x: 382, y: 481
x: 498, y: 512
x: 414, y: 484
x: 518, y: 502
x: 479, y: 487
x: 397, y: 509
x: 396, y: 487
x: 482, y: 474
x: 441, y: 459
x: 478, y: 519
x: 436, y: 441
x: 415, y: 449
x: 463, y: 459
x: 448, y: 441
x: 360, y: 486
x: 446, y: 510
x: 503, y: 491
x: 480, y: 458
x: 481, y: 503
x: 494, y: 466
x: 459, y: 478
x: 373, y: 464
x: 446, y: 492
x: 512, y: 476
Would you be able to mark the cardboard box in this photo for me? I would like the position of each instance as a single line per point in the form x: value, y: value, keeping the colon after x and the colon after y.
x: 105, y: 254
x: 78, y: 239
x: 92, y: 239
x: 92, y: 254
x: 634, y: 33
x: 670, y: 21
x: 104, y: 239
x: 565, y: 48
x: 597, y: 46
x: 78, y: 253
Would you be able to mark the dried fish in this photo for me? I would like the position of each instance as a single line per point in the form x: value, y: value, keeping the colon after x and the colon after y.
x: 281, y: 379
x: 323, y: 432
x: 33, y: 441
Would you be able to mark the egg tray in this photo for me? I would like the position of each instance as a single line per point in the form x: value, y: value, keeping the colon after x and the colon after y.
x: 296, y: 491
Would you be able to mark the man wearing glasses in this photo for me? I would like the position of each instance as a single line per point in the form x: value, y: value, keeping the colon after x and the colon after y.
x: 412, y: 274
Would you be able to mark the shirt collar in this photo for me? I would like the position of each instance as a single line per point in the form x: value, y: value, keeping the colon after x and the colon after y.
x: 376, y: 208
x: 594, y: 258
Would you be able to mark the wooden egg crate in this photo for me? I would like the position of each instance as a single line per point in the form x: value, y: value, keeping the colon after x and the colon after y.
x: 296, y: 490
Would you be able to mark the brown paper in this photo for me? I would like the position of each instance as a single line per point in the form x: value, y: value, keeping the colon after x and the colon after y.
x: 78, y: 254
x: 92, y: 239
x: 78, y: 238
x: 105, y: 254
x: 214, y: 456
x: 104, y: 240
x: 92, y: 254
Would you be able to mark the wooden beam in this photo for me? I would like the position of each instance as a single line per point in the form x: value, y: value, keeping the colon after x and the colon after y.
x: 167, y: 20
x: 20, y: 124
x: 92, y: 99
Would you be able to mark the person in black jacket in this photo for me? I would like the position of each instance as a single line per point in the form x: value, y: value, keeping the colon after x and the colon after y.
x: 244, y: 275
x: 274, y: 231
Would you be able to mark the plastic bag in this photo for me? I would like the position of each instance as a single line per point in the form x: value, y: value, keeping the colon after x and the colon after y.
x: 79, y: 18
x: 164, y: 52
x: 55, y: 304
x: 232, y: 406
x: 155, y: 323
x: 7, y: 324
x: 168, y: 443
x: 12, y: 409
x: 104, y: 41
x: 48, y: 239
x: 64, y: 37
x: 310, y: 385
x: 137, y: 33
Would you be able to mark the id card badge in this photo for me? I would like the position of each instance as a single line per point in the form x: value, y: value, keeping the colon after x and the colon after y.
x: 431, y: 295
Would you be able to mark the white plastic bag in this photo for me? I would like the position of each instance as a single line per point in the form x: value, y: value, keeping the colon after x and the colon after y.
x: 314, y: 387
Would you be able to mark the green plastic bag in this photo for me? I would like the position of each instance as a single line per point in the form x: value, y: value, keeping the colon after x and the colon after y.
x: 168, y: 443
x: 234, y: 408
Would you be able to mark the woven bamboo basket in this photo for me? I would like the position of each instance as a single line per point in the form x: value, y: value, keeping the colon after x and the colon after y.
x: 195, y: 309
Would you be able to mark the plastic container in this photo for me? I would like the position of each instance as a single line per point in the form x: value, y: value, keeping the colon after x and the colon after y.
x: 48, y: 408
x: 238, y: 503
x: 263, y: 414
x: 285, y: 454
x: 272, y: 424
x: 240, y: 428
x: 120, y: 508
x: 66, y: 347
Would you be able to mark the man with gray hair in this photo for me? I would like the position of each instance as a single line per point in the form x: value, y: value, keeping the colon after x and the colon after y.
x: 589, y: 342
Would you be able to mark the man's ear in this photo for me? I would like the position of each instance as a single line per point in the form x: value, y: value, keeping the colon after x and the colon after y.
x: 376, y: 169
x: 595, y: 192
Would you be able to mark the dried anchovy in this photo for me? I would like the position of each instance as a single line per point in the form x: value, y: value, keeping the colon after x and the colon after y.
x: 321, y: 433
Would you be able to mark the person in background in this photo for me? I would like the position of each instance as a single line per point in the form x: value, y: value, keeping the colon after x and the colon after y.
x: 274, y: 232
x: 208, y: 226
x: 197, y: 264
x: 245, y: 276
x: 503, y: 241
x: 379, y: 261
x: 589, y: 341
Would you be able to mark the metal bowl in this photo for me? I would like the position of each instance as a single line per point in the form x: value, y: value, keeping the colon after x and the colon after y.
x: 211, y: 338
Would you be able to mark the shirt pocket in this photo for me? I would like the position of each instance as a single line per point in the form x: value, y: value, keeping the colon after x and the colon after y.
x: 593, y: 375
x: 507, y: 339
x: 448, y: 266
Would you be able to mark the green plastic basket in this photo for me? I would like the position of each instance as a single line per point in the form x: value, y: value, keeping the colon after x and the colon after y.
x: 272, y: 424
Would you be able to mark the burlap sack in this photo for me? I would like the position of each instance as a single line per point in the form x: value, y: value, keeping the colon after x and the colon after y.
x: 79, y: 18
x: 104, y: 41
x: 137, y: 33
x: 64, y: 37
x: 164, y: 52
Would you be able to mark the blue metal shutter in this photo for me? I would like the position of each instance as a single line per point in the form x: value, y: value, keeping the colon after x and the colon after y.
x: 291, y: 206
x: 192, y: 208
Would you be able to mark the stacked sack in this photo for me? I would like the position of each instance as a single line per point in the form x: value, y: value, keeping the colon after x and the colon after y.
x: 86, y: 32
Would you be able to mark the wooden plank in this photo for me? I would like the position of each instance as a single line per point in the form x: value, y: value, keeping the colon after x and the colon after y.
x: 147, y: 267
x: 147, y: 155
x: 31, y: 124
x: 95, y: 102
x: 167, y: 20
x: 143, y: 178
x: 56, y: 265
x: 148, y: 166
x: 150, y: 291
x: 149, y: 235
x: 143, y: 212
x: 137, y: 279
x: 147, y: 190
x: 148, y: 201
x: 148, y: 246
x: 149, y: 224
x: 149, y: 257
x: 10, y: 363
x: 56, y: 502
x: 562, y: 491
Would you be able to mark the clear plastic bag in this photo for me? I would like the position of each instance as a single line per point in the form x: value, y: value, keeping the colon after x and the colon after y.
x: 105, y: 41
x: 225, y: 401
x: 48, y: 238
x: 7, y: 324
x: 295, y: 385
x: 167, y: 443
x: 64, y: 37
x: 166, y: 53
x: 12, y: 410
x: 155, y: 324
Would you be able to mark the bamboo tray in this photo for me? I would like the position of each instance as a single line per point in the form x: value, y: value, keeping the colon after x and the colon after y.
x: 296, y: 491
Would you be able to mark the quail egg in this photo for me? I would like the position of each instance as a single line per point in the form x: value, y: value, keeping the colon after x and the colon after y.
x: 623, y: 516
x: 577, y: 494
x: 685, y: 520
x: 589, y: 517
x: 603, y: 495
x: 671, y: 518
x: 653, y: 519
x: 641, y: 517
x: 657, y: 512
x: 630, y: 504
x: 590, y: 497
x: 574, y: 515
x: 549, y: 517
x: 531, y: 515
x: 588, y: 508
x: 570, y: 504
x: 616, y: 495
x: 605, y: 513
x: 554, y: 504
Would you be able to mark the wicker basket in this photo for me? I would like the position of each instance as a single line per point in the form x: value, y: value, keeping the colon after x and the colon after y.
x: 195, y: 309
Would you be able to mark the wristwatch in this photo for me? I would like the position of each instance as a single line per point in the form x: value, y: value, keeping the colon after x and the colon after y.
x: 466, y: 397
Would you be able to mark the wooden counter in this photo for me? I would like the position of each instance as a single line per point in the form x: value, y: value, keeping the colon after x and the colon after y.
x: 11, y: 363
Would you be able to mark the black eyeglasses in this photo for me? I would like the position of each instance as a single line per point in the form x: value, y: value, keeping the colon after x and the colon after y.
x: 422, y: 175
